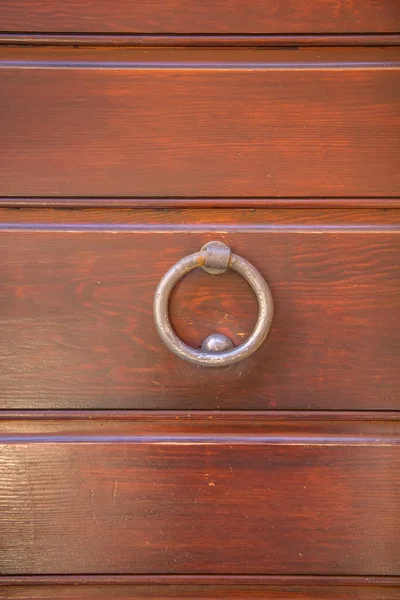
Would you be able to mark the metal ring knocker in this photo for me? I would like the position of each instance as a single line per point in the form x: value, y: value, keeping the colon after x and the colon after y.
x: 217, y: 350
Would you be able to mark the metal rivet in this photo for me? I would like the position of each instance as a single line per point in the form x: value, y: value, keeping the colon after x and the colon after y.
x: 217, y: 342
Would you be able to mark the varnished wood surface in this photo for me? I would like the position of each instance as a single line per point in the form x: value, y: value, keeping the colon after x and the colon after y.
x: 55, y: 217
x: 168, y: 203
x: 200, y: 498
x: 200, y: 427
x: 232, y: 40
x: 203, y: 122
x: 213, y: 415
x: 172, y: 587
x: 77, y: 329
x: 207, y: 16
x: 212, y: 591
x: 199, y: 503
x: 349, y: 581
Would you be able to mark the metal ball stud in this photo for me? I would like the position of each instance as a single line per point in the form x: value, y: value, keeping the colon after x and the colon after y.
x: 217, y: 343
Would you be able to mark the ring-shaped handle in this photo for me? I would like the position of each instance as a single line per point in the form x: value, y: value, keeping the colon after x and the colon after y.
x: 215, y: 258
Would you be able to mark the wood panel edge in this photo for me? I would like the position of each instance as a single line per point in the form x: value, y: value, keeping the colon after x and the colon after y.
x: 199, y: 415
x: 166, y: 203
x: 225, y: 40
x: 267, y: 580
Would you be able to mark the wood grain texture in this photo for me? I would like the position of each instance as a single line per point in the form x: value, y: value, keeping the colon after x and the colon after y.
x: 235, y: 40
x: 207, y: 16
x: 349, y: 581
x: 168, y: 203
x: 214, y: 415
x: 77, y: 329
x: 298, y: 591
x: 200, y: 498
x: 203, y: 122
x: 172, y: 587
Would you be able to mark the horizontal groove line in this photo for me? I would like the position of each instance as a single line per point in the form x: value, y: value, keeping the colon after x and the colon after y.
x: 191, y: 198
x: 204, y: 440
x: 194, y: 66
x: 204, y: 579
x: 210, y: 416
x: 192, y: 414
x: 199, y: 202
x: 199, y: 39
x: 187, y: 34
x: 190, y: 228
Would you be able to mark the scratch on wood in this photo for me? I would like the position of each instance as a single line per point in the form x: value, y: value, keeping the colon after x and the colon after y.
x: 114, y: 493
x: 92, y: 505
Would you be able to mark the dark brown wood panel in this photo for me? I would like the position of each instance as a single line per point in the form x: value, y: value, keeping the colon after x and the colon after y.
x: 216, y: 415
x: 215, y: 203
x: 207, y: 16
x: 160, y: 216
x: 283, y: 591
x: 171, y: 587
x: 77, y: 328
x: 200, y: 497
x: 232, y: 40
x: 200, y: 122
